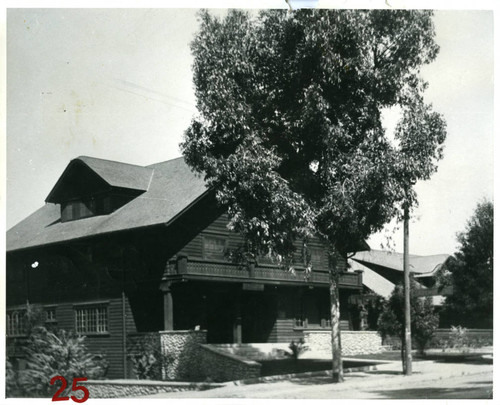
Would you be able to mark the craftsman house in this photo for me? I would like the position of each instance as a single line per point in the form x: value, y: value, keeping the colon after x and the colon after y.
x: 120, y: 249
x: 382, y: 270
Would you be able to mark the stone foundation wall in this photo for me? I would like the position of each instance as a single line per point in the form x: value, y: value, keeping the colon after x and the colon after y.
x: 182, y: 350
x: 353, y: 342
x: 130, y: 388
x: 218, y: 365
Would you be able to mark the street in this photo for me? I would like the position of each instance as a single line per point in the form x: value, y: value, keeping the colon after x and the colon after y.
x: 430, y: 381
x: 478, y: 386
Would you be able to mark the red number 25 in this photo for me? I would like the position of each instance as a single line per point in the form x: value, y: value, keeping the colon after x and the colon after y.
x: 74, y: 387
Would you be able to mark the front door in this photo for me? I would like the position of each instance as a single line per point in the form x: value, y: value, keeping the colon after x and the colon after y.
x: 258, y: 316
x: 220, y: 318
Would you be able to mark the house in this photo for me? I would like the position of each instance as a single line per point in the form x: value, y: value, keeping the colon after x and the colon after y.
x: 382, y: 270
x: 120, y: 249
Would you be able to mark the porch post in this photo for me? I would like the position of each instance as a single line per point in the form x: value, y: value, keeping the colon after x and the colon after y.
x: 237, y: 336
x: 168, y: 308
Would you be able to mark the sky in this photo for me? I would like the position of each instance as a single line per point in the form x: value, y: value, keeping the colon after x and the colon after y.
x: 117, y: 84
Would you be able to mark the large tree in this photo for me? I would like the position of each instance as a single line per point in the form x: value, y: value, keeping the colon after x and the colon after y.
x: 471, y: 270
x: 289, y: 130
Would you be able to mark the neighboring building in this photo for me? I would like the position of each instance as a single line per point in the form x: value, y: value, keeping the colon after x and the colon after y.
x: 382, y: 270
x: 120, y: 249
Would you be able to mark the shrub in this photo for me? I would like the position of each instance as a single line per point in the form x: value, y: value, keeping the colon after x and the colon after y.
x: 297, y: 348
x: 49, y: 354
x: 458, y: 337
x: 424, y: 321
x: 148, y: 360
x: 11, y: 387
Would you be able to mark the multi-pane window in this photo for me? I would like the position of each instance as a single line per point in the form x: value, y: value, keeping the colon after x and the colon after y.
x: 16, y: 323
x: 77, y: 209
x: 50, y: 315
x: 91, y: 319
x: 214, y: 247
x: 317, y: 257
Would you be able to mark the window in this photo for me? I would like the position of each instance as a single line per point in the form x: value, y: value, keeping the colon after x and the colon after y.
x: 214, y: 247
x: 317, y: 257
x: 77, y: 209
x: 91, y: 319
x: 16, y: 323
x: 50, y: 315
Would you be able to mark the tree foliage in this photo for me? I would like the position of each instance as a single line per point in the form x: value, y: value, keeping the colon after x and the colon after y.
x: 289, y: 130
x: 424, y: 320
x: 472, y: 271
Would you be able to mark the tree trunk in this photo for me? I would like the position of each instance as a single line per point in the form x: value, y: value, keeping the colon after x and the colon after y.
x: 337, y: 370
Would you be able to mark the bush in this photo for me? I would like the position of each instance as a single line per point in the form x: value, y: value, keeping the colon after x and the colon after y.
x: 11, y: 386
x: 297, y: 348
x: 458, y: 337
x: 424, y: 321
x: 50, y: 354
x: 148, y: 360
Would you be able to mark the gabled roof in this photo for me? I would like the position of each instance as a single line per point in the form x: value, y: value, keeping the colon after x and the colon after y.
x: 169, y: 190
x: 423, y: 266
x: 115, y: 174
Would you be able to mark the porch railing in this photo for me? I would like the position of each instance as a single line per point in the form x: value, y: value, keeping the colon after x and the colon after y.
x: 227, y: 271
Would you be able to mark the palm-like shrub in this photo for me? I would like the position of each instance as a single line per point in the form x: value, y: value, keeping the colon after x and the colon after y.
x: 11, y: 387
x: 297, y: 348
x: 50, y: 354
x: 148, y: 360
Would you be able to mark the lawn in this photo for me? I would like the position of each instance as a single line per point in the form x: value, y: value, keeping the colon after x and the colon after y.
x: 436, y: 355
x: 290, y: 366
x: 392, y: 355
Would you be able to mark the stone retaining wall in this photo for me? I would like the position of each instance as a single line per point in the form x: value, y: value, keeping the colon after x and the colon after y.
x: 442, y: 339
x: 131, y: 388
x: 353, y: 342
x: 361, y: 342
x: 219, y: 365
x: 182, y: 349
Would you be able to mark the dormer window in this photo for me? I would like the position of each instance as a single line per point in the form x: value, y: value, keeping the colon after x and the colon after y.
x: 75, y: 210
x: 102, y: 204
x: 78, y: 209
x: 90, y: 187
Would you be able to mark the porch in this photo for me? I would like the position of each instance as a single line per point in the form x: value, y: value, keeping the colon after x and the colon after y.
x: 258, y: 303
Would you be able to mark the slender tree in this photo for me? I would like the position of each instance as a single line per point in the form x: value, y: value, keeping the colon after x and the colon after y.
x: 425, y: 320
x: 289, y: 129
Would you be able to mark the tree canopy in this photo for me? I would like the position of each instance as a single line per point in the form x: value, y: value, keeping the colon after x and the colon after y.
x: 289, y: 130
x: 471, y: 304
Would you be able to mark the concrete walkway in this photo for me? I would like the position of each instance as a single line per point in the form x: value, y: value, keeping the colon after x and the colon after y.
x: 385, y: 377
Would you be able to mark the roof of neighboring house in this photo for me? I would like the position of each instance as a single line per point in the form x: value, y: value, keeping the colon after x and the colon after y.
x: 170, y: 187
x: 423, y: 266
x: 373, y: 280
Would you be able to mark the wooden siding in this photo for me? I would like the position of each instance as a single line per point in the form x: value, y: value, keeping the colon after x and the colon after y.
x: 109, y: 344
x: 218, y: 227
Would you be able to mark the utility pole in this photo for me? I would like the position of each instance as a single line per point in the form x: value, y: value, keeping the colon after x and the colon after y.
x: 406, y: 268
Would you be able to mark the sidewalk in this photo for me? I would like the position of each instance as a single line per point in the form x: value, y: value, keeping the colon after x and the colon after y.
x: 319, y: 386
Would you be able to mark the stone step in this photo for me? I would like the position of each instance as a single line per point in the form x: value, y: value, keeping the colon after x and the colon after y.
x: 252, y: 351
